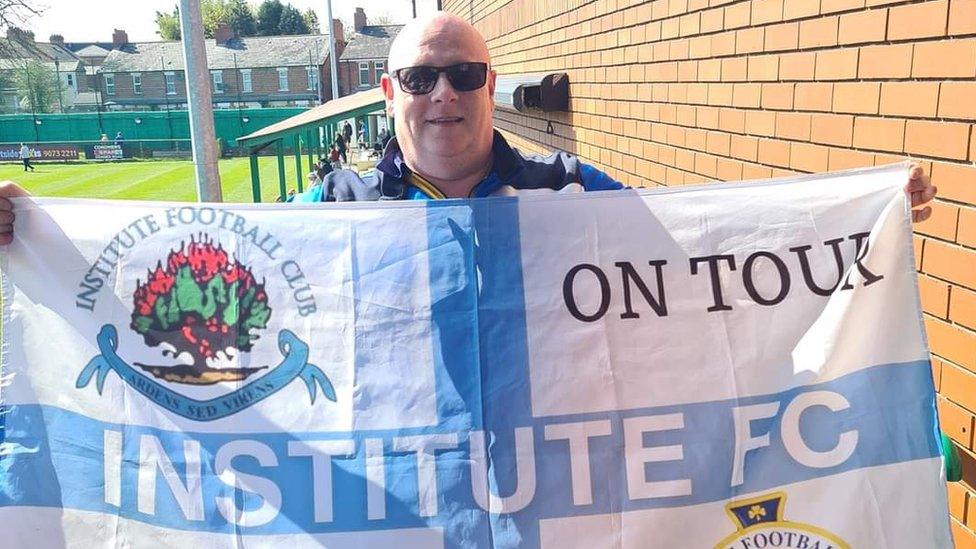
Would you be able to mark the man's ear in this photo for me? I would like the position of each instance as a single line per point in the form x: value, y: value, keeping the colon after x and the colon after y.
x: 491, y: 86
x: 387, y: 84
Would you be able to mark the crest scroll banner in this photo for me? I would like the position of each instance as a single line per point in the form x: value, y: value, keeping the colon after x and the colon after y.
x: 730, y: 366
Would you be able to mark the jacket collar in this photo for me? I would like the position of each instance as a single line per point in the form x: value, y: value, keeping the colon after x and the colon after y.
x: 393, y: 170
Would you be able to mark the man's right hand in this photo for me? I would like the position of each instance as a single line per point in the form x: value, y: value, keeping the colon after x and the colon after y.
x: 8, y: 190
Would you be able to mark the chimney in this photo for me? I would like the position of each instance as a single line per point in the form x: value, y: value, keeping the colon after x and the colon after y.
x: 359, y: 19
x: 119, y: 39
x: 57, y: 39
x: 224, y: 33
x: 19, y: 35
x: 337, y: 31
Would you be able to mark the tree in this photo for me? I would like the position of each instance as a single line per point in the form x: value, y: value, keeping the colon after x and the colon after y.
x: 38, y: 86
x: 383, y: 19
x: 15, y: 14
x: 292, y: 21
x: 213, y: 12
x: 241, y: 18
x: 168, y: 24
x: 269, y: 17
x: 311, y: 21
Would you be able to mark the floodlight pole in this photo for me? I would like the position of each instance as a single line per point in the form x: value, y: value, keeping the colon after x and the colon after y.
x: 199, y: 103
x: 332, y: 52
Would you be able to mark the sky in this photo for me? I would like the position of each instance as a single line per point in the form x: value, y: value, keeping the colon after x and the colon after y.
x: 94, y: 20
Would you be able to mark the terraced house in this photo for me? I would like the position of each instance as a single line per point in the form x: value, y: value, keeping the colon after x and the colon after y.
x: 363, y: 61
x: 266, y: 71
x: 18, y: 49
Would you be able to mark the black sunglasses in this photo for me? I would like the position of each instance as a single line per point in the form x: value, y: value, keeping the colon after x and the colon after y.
x: 420, y: 80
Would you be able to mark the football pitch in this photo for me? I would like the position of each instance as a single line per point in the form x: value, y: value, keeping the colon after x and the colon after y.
x: 169, y: 180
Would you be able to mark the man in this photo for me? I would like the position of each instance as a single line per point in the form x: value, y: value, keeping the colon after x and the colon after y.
x: 119, y: 139
x: 439, y: 91
x: 25, y: 157
x: 347, y: 131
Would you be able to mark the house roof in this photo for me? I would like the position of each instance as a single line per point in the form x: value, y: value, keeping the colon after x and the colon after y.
x: 91, y: 50
x: 12, y: 51
x: 252, y: 52
x: 372, y: 42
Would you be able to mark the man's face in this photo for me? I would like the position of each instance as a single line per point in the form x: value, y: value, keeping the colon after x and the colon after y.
x: 445, y: 124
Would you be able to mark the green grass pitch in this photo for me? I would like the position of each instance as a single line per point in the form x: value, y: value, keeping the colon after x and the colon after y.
x: 167, y: 180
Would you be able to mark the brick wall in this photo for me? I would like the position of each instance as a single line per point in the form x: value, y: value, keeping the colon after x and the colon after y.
x: 264, y: 82
x: 349, y: 76
x: 672, y: 92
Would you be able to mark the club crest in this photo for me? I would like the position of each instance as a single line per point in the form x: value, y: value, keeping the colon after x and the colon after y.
x: 759, y: 523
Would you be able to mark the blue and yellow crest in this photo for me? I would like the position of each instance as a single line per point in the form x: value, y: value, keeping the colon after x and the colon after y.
x: 759, y: 523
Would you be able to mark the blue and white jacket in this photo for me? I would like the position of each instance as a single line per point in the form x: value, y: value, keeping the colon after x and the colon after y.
x: 512, y: 172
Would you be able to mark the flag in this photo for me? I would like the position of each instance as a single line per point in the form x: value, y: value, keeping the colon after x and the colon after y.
x: 733, y: 366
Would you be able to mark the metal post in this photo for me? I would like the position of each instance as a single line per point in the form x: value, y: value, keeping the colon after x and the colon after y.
x: 203, y: 139
x: 332, y: 50
x: 309, y: 149
x: 297, y: 144
x: 280, y: 149
x: 255, y: 178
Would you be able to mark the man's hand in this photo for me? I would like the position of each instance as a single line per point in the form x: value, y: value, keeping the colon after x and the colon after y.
x: 921, y: 191
x: 8, y: 190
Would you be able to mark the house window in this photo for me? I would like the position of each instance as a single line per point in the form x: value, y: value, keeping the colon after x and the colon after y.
x: 170, y: 83
x: 246, y: 80
x: 283, y: 79
x: 364, y: 74
x: 313, y: 78
x: 137, y: 83
x: 71, y: 80
x: 379, y: 67
x: 110, y: 84
x: 218, y: 81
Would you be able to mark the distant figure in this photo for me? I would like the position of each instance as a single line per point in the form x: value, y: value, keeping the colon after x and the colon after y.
x: 323, y: 168
x: 347, y: 131
x: 340, y: 144
x: 25, y: 157
x: 313, y: 179
x: 384, y: 137
x: 119, y: 139
x: 362, y: 135
x: 334, y: 156
x: 104, y: 138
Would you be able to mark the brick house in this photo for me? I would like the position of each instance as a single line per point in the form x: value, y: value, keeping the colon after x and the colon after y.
x: 19, y: 47
x: 266, y: 71
x: 365, y: 57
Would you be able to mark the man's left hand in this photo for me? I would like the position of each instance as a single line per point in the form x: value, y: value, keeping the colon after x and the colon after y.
x: 921, y: 191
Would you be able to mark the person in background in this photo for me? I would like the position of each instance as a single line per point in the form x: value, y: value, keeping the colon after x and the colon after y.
x: 362, y: 135
x: 119, y: 139
x: 347, y: 131
x: 334, y: 157
x: 25, y: 157
x: 340, y: 145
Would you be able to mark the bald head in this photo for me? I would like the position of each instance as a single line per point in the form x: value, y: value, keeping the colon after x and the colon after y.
x: 438, y: 39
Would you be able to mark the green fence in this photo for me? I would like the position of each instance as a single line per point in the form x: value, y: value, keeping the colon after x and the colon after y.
x: 229, y: 124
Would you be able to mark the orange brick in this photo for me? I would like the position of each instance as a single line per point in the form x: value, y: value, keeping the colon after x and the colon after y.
x: 707, y: 117
x: 763, y: 68
x: 777, y: 96
x: 950, y: 262
x: 732, y: 120
x: 957, y: 500
x: 749, y: 40
x: 925, y: 20
x: 967, y: 227
x: 893, y: 61
x: 752, y: 172
x: 846, y: 159
x: 972, y: 145
x: 936, y: 371
x: 956, y: 422
x: 735, y: 69
x: 958, y: 384
x: 737, y: 15
x: 712, y: 20
x: 723, y: 43
x: 706, y: 165
x: 837, y: 64
x: 808, y: 158
x: 797, y: 66
x: 941, y: 139
x: 774, y: 152
x: 834, y: 6
x: 883, y: 134
x: 818, y: 33
x: 962, y: 307
x: 909, y: 98
x: 717, y: 143
x: 863, y: 26
x: 833, y: 129
x: 935, y: 296
x: 943, y: 59
x: 857, y: 97
x: 729, y: 170
x: 796, y: 9
x: 766, y: 11
x: 689, y: 24
x: 710, y: 70
x: 720, y: 94
x: 792, y: 125
x: 918, y: 244
x: 942, y: 223
x: 814, y: 96
x: 744, y: 148
x: 782, y: 37
x: 955, y: 181
x: 956, y: 99
x: 746, y: 95
x: 962, y: 17
x: 761, y: 123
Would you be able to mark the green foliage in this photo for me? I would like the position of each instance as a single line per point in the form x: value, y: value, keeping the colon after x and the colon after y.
x: 241, y: 17
x: 39, y: 87
x: 311, y: 21
x: 291, y: 21
x: 269, y: 17
x: 213, y: 12
x: 168, y: 24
